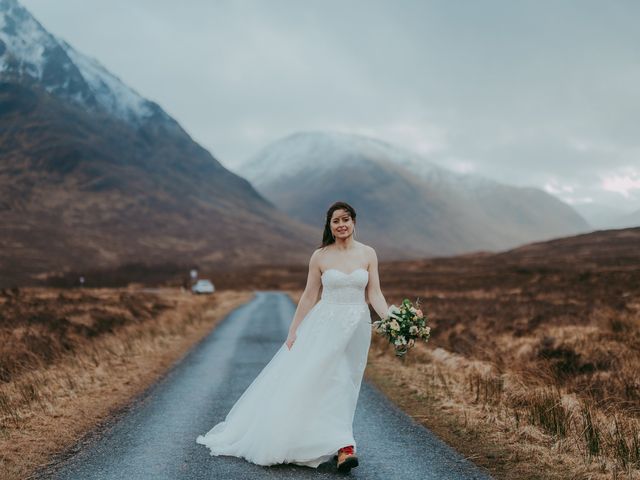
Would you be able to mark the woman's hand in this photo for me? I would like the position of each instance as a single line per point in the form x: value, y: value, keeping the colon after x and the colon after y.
x: 290, y: 339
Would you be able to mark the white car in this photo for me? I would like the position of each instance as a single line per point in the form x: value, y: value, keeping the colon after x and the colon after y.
x: 203, y: 286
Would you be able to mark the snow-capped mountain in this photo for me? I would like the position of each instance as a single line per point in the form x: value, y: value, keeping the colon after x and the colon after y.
x: 93, y: 176
x: 27, y: 50
x: 410, y: 206
x: 328, y: 150
x: 324, y: 151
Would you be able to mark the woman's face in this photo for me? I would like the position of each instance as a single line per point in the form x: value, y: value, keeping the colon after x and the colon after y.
x: 341, y: 223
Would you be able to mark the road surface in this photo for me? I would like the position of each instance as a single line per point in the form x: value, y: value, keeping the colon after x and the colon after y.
x: 154, y: 437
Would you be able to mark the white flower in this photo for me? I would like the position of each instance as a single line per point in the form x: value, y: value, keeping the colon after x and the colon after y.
x: 394, y: 325
x: 393, y: 309
x: 413, y: 329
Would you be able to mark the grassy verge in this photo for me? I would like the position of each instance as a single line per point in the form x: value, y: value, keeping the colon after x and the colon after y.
x: 516, y: 427
x: 516, y: 421
x: 71, y: 358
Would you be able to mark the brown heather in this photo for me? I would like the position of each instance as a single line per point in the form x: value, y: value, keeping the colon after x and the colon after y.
x: 532, y: 368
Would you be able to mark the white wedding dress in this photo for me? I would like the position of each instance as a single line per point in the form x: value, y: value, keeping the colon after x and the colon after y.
x: 300, y: 408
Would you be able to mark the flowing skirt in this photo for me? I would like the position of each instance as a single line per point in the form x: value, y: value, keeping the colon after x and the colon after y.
x: 300, y: 408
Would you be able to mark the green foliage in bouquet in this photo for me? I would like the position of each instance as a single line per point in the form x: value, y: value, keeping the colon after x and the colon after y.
x: 403, y: 325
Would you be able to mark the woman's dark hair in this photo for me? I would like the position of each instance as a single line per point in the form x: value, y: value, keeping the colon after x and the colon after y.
x: 327, y: 237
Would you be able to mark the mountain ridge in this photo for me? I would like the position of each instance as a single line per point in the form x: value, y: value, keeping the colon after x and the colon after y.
x: 449, y: 213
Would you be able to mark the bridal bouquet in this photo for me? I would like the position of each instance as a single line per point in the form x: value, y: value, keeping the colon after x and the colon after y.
x: 403, y: 326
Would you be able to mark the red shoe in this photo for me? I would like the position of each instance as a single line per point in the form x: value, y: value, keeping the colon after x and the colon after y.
x: 347, y: 459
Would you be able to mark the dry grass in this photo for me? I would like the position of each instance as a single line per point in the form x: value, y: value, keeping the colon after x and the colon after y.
x: 514, y: 425
x: 531, y: 370
x: 534, y: 352
x: 70, y: 358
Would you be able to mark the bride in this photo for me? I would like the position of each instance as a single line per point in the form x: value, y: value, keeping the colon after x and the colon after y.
x: 300, y: 408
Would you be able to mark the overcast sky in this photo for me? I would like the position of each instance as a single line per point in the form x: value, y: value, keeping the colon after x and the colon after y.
x: 541, y: 93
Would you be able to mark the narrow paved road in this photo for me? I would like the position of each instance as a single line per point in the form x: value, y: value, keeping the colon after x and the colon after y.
x: 155, y: 437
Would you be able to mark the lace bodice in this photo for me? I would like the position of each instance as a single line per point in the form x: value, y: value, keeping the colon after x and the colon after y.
x: 340, y: 287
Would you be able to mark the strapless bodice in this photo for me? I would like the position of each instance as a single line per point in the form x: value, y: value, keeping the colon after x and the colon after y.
x: 340, y: 287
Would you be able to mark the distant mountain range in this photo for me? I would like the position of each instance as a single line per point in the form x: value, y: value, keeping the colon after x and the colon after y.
x: 93, y: 175
x: 407, y: 205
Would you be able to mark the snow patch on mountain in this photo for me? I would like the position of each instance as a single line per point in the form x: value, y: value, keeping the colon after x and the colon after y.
x: 320, y: 151
x: 110, y: 92
x: 23, y: 38
x: 28, y: 50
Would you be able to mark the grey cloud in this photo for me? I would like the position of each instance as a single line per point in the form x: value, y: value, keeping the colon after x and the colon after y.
x: 511, y: 84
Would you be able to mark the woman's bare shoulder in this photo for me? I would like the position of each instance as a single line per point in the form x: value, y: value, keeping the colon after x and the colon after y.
x: 318, y: 252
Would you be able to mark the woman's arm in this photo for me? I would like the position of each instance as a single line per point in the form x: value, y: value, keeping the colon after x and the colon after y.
x: 310, y: 295
x: 376, y: 299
